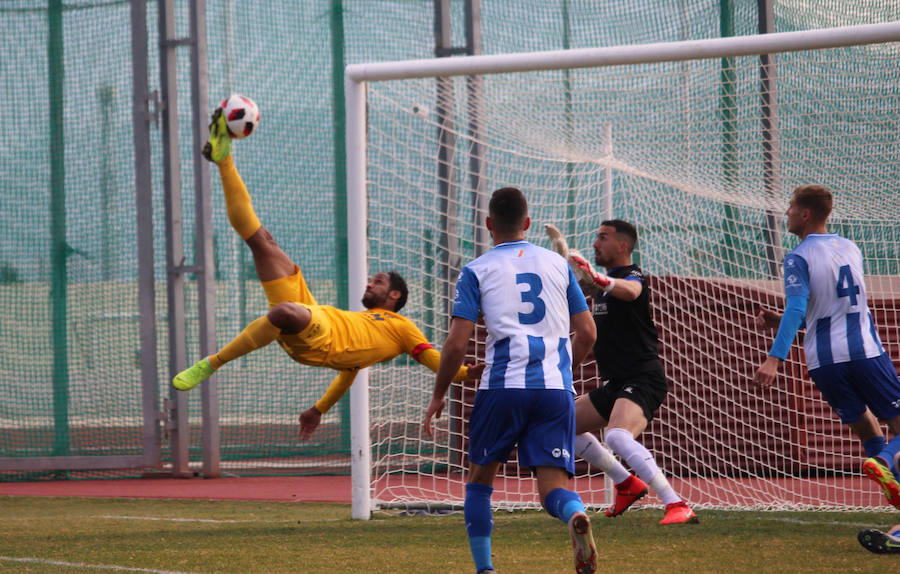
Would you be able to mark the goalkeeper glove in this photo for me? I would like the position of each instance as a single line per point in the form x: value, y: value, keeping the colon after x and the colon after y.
x: 557, y: 241
x: 586, y: 274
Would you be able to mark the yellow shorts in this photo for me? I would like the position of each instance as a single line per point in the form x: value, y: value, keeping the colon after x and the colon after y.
x: 311, y: 345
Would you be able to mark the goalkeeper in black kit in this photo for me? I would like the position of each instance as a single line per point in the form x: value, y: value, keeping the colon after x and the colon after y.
x: 628, y: 362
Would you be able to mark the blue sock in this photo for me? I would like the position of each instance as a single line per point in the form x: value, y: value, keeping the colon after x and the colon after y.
x: 889, y: 452
x: 562, y: 504
x: 479, y: 523
x: 874, y: 445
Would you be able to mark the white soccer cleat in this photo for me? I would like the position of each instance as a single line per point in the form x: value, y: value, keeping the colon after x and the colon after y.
x: 583, y: 544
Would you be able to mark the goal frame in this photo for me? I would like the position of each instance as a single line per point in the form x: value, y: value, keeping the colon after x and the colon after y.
x: 358, y: 76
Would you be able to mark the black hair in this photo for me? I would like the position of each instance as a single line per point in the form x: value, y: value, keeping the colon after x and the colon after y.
x: 508, y: 210
x: 623, y: 228
x: 398, y: 283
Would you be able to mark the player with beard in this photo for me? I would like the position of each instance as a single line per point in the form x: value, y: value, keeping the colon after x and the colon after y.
x: 312, y: 334
x: 627, y: 355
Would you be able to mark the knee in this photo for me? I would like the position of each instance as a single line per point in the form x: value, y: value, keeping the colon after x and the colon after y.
x: 618, y: 438
x: 289, y: 317
x: 262, y: 238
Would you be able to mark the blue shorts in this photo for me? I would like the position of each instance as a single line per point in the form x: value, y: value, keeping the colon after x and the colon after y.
x: 540, y: 422
x: 849, y: 387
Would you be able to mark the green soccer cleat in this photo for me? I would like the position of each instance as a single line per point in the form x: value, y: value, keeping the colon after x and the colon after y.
x: 879, y: 542
x: 879, y: 472
x: 218, y: 146
x: 193, y: 376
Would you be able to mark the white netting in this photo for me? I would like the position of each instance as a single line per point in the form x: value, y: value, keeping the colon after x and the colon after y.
x: 677, y: 149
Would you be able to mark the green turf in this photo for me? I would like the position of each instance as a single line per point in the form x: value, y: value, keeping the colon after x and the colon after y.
x: 209, y: 536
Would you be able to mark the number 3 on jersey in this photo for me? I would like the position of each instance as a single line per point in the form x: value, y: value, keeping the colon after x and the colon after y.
x: 532, y: 296
x: 845, y: 285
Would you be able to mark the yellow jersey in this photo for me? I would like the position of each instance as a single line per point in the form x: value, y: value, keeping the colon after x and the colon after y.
x: 353, y: 339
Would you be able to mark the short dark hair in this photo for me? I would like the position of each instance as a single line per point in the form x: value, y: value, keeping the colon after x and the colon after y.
x: 623, y: 228
x: 816, y: 198
x: 398, y: 283
x: 508, y: 210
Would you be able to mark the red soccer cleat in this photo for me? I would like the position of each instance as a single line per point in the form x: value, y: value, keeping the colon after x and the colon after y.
x: 880, y: 473
x: 679, y: 513
x: 628, y: 492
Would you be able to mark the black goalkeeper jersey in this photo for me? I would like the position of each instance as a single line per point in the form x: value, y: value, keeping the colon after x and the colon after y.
x: 627, y: 340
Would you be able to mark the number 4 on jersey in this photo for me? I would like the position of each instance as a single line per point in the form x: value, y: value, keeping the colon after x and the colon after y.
x: 845, y: 285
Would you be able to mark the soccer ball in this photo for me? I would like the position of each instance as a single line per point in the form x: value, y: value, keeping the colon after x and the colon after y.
x: 241, y: 114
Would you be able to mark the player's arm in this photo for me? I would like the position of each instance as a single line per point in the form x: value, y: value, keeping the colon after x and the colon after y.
x: 454, y: 352
x: 585, y: 334
x: 309, y: 419
x: 425, y: 354
x: 580, y: 321
x: 796, y: 279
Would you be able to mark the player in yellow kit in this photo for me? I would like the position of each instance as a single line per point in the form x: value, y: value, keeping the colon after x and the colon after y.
x: 312, y: 334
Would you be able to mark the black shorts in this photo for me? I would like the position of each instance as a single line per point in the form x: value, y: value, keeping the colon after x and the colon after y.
x: 648, y: 390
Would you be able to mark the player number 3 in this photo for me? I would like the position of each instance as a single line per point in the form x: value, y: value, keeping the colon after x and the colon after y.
x: 532, y: 296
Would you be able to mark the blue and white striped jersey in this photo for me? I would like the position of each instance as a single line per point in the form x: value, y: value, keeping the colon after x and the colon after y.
x: 526, y: 295
x: 828, y: 269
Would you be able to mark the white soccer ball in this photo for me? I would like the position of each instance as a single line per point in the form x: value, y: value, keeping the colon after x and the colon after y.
x: 241, y: 114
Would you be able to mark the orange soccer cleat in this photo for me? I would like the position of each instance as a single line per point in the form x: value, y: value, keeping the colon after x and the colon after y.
x: 679, y: 513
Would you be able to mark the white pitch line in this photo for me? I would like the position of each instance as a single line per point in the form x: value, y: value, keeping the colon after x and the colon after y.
x: 805, y: 522
x: 83, y: 565
x: 214, y: 521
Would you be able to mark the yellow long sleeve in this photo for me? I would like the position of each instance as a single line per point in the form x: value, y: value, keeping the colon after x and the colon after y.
x: 431, y: 359
x: 336, y: 390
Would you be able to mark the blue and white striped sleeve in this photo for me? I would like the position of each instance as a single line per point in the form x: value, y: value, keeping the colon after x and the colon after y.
x: 467, y: 301
x: 796, y: 290
x: 577, y: 302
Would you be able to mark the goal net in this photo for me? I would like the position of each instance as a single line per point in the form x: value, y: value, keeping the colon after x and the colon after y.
x: 699, y: 146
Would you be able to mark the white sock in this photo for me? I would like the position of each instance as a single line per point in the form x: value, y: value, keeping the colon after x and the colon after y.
x: 589, y: 447
x: 641, y: 461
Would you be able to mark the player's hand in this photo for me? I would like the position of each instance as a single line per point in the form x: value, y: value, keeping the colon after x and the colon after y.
x: 309, y: 420
x: 602, y: 281
x: 765, y: 375
x: 557, y: 241
x: 475, y: 371
x: 767, y: 319
x: 435, y: 408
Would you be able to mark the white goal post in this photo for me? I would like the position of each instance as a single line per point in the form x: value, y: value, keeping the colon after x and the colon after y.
x: 695, y: 241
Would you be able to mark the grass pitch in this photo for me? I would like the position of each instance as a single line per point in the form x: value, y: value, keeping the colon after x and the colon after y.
x: 44, y: 535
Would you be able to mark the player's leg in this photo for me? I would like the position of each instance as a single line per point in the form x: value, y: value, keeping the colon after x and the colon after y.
x: 882, y: 467
x: 271, y: 262
x: 284, y: 318
x: 560, y: 501
x: 493, y: 427
x: 882, y: 394
x: 629, y: 417
x: 478, y: 514
x: 629, y: 488
x: 848, y: 388
x: 546, y: 445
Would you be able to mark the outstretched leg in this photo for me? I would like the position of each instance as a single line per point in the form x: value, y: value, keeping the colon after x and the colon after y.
x: 271, y: 262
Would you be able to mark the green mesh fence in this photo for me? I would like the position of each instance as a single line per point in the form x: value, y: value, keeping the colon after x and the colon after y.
x: 69, y: 321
